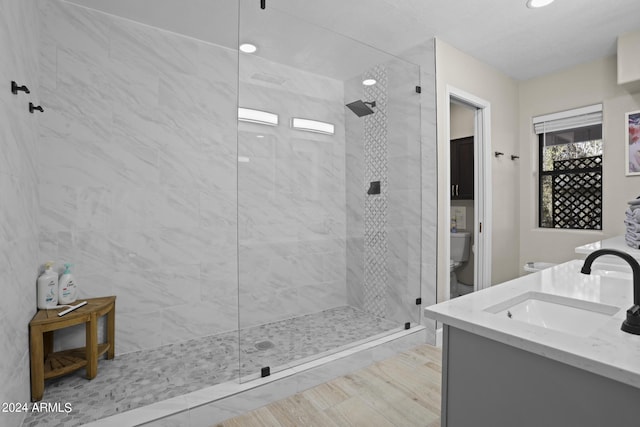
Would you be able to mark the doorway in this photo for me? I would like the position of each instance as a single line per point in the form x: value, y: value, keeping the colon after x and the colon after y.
x: 468, y: 204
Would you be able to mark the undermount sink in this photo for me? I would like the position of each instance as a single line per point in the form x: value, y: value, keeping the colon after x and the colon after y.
x: 563, y: 314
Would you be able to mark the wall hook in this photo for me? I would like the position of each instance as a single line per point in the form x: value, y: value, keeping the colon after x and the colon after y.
x: 513, y: 157
x: 498, y: 154
x: 15, y: 88
x: 32, y: 108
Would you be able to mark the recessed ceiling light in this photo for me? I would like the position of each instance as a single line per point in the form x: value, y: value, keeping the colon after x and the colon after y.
x: 533, y: 4
x: 369, y: 82
x: 259, y: 136
x: 248, y: 48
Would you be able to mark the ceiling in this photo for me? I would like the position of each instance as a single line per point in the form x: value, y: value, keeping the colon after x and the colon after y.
x: 522, y: 43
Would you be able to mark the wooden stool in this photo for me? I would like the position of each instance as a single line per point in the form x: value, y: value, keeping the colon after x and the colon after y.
x: 46, y: 364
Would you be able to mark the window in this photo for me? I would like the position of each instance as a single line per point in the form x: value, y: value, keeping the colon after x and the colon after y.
x: 570, y: 165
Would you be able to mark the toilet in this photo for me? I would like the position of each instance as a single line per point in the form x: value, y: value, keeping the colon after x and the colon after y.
x: 459, y: 256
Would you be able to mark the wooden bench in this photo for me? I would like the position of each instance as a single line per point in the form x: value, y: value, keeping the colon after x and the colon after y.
x: 46, y: 364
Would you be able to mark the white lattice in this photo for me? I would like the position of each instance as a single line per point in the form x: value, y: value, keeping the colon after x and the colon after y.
x: 375, y: 214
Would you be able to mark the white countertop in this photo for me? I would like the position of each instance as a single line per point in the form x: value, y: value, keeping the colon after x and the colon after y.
x: 608, y: 351
x: 611, y: 243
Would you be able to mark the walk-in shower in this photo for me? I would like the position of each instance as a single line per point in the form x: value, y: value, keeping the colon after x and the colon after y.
x: 235, y: 248
x: 314, y: 240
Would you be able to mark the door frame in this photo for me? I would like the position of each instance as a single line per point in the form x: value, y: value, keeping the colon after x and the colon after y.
x: 482, y: 201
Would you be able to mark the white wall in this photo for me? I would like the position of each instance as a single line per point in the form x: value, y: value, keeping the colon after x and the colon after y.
x: 466, y: 73
x: 629, y: 59
x: 19, y: 258
x: 461, y: 120
x: 582, y: 85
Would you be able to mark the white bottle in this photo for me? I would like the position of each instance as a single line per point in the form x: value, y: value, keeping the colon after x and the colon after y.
x: 67, y: 289
x: 48, y: 288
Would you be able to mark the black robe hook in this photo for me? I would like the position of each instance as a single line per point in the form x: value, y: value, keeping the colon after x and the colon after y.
x: 32, y: 108
x: 15, y: 88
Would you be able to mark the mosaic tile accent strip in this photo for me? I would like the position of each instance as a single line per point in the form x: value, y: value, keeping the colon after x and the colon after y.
x: 144, y: 377
x: 375, y: 206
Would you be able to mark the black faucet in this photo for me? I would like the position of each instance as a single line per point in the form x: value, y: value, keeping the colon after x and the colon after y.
x: 632, y: 324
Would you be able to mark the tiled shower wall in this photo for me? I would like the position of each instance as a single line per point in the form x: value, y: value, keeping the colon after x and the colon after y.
x: 383, y: 243
x: 19, y: 259
x: 138, y: 185
x: 412, y: 207
x: 291, y: 195
x: 356, y: 188
x: 376, y: 155
x: 137, y: 172
x: 424, y: 55
x: 405, y: 186
x: 130, y: 188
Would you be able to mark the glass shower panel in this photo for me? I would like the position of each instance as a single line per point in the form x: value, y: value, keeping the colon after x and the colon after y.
x: 322, y: 265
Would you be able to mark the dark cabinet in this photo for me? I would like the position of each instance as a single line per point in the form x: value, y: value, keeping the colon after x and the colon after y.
x: 462, y: 168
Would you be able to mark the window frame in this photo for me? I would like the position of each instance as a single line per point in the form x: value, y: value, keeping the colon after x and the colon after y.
x: 542, y: 173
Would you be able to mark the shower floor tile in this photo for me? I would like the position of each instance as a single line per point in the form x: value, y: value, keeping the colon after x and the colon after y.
x: 137, y: 379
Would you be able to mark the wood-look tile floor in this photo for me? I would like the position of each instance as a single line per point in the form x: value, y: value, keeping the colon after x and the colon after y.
x: 402, y: 391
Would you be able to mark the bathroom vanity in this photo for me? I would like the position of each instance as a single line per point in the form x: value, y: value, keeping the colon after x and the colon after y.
x: 545, y: 349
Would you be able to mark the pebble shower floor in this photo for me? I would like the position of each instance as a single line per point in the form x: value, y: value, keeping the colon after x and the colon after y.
x: 144, y: 377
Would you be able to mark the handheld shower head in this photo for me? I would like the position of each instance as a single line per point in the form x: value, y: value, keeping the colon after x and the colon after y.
x: 361, y: 108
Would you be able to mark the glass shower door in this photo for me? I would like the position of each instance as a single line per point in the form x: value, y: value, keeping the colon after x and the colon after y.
x: 322, y: 264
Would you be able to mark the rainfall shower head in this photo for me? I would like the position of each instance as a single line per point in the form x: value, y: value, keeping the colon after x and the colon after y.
x: 361, y: 108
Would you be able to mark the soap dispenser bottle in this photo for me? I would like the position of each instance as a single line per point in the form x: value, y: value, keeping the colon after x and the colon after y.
x: 67, y: 289
x: 48, y: 288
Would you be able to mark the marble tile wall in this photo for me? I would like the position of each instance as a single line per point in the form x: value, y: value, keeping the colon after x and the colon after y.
x: 424, y: 56
x: 139, y: 157
x: 403, y: 193
x: 356, y: 193
x: 135, y: 183
x: 291, y: 196
x: 376, y: 206
x: 19, y: 258
x: 404, y: 207
x: 137, y: 167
